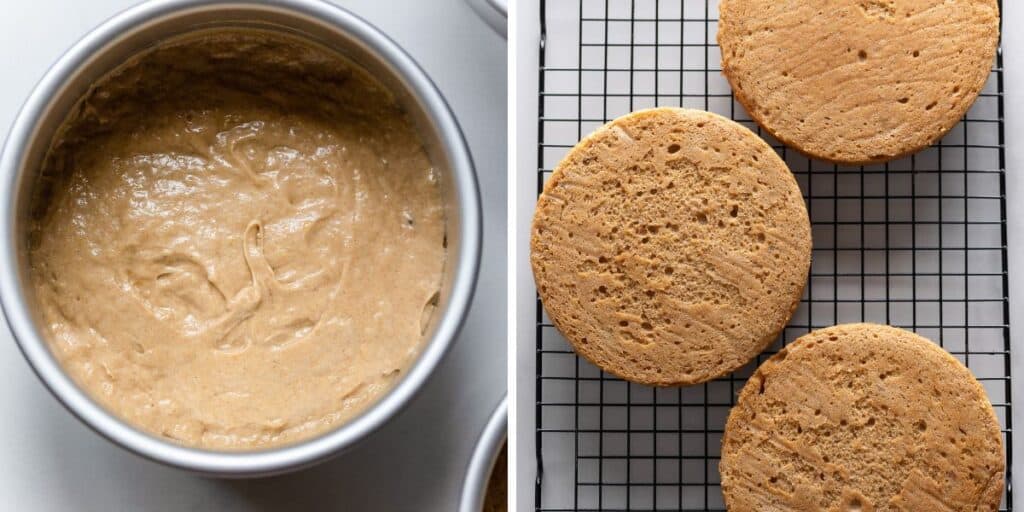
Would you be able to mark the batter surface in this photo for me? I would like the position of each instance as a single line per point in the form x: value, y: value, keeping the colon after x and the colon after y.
x: 239, y: 243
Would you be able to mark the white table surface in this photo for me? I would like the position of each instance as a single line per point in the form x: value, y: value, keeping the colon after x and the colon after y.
x: 524, y: 36
x: 50, y: 462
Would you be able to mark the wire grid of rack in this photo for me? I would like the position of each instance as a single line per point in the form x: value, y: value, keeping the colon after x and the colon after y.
x: 918, y: 243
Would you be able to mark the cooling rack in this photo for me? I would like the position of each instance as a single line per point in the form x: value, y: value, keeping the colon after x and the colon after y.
x: 919, y: 243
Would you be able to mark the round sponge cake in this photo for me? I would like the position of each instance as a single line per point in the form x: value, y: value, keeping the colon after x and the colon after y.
x: 671, y: 246
x: 858, y: 81
x: 862, y: 417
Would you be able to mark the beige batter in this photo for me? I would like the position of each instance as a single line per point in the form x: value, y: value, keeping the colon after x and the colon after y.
x: 240, y: 243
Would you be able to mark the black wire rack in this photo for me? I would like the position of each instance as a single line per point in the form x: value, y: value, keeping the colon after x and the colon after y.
x: 919, y: 243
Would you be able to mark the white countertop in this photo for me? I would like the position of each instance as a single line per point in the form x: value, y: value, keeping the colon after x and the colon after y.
x: 51, y: 462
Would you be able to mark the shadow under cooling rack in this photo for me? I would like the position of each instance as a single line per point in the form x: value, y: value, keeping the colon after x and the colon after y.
x: 918, y: 243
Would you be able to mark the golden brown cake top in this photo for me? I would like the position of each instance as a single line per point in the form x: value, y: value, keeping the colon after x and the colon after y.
x: 671, y: 246
x: 858, y: 81
x: 862, y: 417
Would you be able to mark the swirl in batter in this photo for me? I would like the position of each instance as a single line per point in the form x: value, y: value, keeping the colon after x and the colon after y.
x: 238, y: 242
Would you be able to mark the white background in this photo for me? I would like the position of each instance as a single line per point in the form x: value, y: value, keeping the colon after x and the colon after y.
x: 524, y: 35
x: 50, y: 462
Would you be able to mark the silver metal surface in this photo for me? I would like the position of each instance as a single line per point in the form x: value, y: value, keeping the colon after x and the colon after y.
x: 474, y: 489
x: 494, y: 12
x: 142, y: 26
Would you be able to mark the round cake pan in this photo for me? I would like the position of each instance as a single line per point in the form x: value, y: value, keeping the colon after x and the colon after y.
x: 478, y: 475
x: 494, y: 12
x: 144, y: 26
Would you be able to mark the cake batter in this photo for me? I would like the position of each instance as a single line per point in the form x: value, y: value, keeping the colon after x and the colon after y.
x: 239, y: 242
